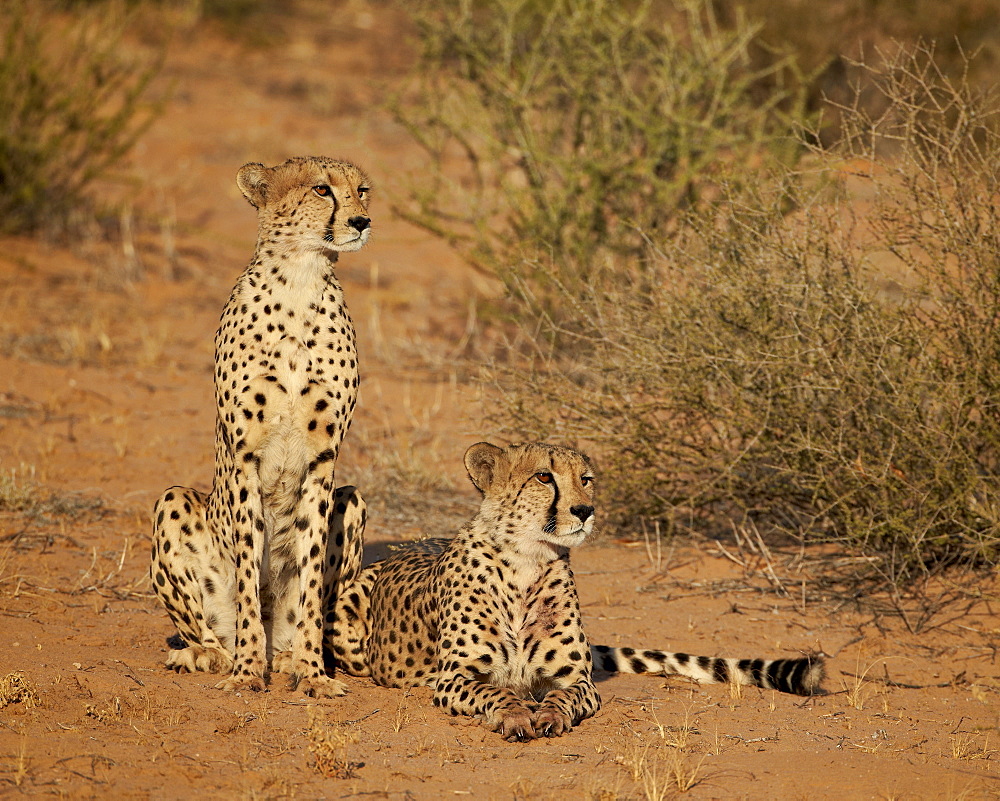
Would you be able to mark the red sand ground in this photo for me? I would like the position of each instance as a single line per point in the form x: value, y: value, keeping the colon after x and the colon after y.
x: 106, y: 395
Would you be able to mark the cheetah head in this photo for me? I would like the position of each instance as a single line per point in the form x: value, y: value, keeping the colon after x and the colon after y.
x: 535, y: 493
x: 309, y: 203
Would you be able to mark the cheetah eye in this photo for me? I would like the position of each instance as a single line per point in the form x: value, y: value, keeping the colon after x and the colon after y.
x: 323, y: 190
x: 362, y: 191
x: 543, y: 478
x: 586, y: 480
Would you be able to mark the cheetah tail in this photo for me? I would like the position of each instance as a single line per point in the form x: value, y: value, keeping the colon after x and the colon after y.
x: 801, y: 676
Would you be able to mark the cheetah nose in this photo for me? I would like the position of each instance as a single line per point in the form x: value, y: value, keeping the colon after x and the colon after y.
x: 359, y: 223
x: 583, y: 512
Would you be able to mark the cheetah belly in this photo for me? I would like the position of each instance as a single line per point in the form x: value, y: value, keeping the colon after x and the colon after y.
x: 289, y: 446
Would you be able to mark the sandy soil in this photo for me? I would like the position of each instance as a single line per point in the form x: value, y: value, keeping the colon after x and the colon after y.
x: 106, y: 399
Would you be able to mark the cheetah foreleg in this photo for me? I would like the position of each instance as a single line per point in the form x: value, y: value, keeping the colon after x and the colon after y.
x: 346, y: 588
x: 249, y: 526
x: 563, y: 708
x: 315, y: 513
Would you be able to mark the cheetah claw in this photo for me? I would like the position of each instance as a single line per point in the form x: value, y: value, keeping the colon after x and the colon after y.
x: 515, y: 726
x: 549, y: 723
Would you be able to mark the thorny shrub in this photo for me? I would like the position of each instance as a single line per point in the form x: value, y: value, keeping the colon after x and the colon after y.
x: 567, y: 126
x: 763, y: 370
x: 810, y: 346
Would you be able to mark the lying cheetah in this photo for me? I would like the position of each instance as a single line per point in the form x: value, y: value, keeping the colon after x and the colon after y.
x: 491, y: 619
x: 246, y: 572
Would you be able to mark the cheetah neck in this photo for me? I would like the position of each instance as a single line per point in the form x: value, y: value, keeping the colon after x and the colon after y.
x: 294, y: 268
x: 299, y: 282
x: 525, y: 555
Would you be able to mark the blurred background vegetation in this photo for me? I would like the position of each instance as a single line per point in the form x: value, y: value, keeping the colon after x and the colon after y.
x: 71, y: 107
x: 749, y: 249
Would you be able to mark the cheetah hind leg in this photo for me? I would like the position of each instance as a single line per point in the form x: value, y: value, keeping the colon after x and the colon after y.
x: 346, y: 588
x: 187, y: 579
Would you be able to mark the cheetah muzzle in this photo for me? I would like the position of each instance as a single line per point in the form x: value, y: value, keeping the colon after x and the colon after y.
x: 491, y: 618
x: 245, y: 572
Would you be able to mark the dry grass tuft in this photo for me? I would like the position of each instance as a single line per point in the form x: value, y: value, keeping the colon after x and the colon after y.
x: 660, y: 771
x: 18, y: 489
x: 967, y: 746
x: 111, y: 712
x: 857, y: 688
x: 15, y: 688
x: 328, y: 747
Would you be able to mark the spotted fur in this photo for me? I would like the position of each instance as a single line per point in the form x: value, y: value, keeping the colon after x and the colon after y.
x: 246, y: 571
x: 491, y: 618
x: 800, y: 676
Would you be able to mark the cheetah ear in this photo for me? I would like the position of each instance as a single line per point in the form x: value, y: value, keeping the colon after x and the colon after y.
x: 251, y: 181
x: 482, y: 461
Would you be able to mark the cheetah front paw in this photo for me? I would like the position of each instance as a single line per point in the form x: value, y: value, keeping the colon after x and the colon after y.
x: 515, y: 724
x: 550, y: 723
x: 237, y: 683
x: 317, y: 686
x: 198, y: 658
x: 245, y: 678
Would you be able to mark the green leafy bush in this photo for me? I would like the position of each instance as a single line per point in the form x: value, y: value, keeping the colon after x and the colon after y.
x: 70, y: 109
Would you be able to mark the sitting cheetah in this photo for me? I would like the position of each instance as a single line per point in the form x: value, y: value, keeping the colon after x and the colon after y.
x: 491, y: 619
x: 245, y: 572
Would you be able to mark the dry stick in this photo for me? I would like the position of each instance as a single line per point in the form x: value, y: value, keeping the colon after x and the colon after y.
x: 130, y: 673
x: 735, y: 560
x: 655, y: 562
x: 847, y: 644
x: 744, y: 740
x: 359, y: 720
x: 766, y: 554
